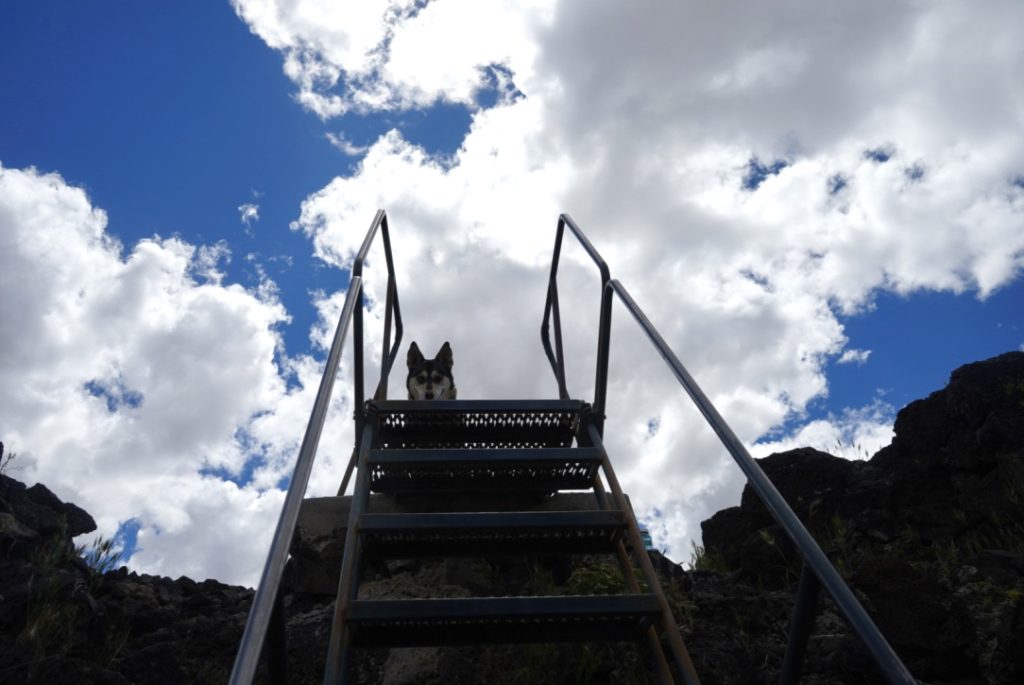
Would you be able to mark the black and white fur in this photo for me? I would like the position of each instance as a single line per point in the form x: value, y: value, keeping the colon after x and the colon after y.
x: 430, y: 379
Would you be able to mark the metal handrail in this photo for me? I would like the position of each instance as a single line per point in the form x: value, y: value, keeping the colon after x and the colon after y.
x: 814, y: 558
x: 380, y: 220
x: 557, y: 358
x: 258, y: 623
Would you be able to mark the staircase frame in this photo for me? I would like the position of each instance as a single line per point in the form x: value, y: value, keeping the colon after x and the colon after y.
x: 265, y: 627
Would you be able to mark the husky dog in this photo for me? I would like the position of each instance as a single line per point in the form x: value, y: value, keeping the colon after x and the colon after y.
x: 430, y: 379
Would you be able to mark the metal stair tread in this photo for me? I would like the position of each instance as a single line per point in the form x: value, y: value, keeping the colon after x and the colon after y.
x: 476, y: 405
x: 476, y: 620
x: 477, y: 423
x: 538, y: 455
x: 483, y: 470
x: 468, y: 534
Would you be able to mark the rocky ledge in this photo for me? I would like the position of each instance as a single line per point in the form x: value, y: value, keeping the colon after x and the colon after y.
x: 929, y: 533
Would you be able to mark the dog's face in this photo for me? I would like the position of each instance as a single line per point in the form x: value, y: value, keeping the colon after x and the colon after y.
x: 430, y: 379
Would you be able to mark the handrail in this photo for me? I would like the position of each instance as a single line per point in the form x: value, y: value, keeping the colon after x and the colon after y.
x: 258, y: 622
x: 557, y: 359
x: 380, y: 221
x: 814, y: 557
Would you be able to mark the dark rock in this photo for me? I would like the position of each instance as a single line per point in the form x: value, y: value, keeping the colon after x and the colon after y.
x: 929, y: 532
x: 38, y: 510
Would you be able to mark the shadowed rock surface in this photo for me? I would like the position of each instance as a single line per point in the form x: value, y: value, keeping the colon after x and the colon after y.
x: 929, y: 533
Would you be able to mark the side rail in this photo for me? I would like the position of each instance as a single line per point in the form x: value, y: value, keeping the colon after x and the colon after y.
x: 817, y: 570
x: 266, y: 615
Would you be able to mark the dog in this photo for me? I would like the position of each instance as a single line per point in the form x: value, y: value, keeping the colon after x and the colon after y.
x: 430, y: 379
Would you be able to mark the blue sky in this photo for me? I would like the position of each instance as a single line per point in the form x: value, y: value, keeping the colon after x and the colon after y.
x: 174, y: 115
x: 171, y: 117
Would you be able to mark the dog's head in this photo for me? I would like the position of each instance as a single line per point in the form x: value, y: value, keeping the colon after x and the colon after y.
x: 430, y: 379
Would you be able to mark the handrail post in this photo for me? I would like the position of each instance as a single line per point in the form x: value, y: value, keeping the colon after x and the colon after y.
x: 388, y: 359
x: 357, y: 363
x: 556, y: 315
x: 800, y: 626
x: 557, y: 363
x: 338, y: 646
x: 276, y: 646
x: 382, y: 386
x: 551, y: 307
x: 603, y: 354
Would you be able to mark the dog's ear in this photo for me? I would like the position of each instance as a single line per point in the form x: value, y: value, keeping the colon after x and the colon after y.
x: 444, y: 355
x: 415, y: 357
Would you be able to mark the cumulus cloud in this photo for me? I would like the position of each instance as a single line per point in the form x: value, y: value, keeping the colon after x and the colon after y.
x: 380, y: 55
x: 129, y: 377
x: 887, y: 136
x: 750, y: 173
x: 852, y: 356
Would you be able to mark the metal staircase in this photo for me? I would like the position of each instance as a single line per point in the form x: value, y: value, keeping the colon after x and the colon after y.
x: 449, y: 452
x: 454, y: 455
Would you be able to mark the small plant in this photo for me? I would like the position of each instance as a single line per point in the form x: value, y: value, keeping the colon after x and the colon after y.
x: 5, y: 460
x: 596, y: 579
x: 1009, y: 538
x: 960, y: 516
x: 703, y: 560
x: 683, y: 608
x: 852, y: 450
x: 540, y: 580
x: 1014, y: 388
x: 50, y: 611
x: 101, y: 556
x: 947, y: 555
x: 769, y: 539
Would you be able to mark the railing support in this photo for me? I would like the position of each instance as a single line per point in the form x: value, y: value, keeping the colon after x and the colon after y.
x: 338, y: 651
x: 671, y: 631
x: 557, y: 357
x: 277, y: 643
x: 800, y: 627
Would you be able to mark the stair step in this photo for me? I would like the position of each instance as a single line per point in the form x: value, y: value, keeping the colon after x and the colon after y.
x: 490, y: 534
x: 483, y: 470
x: 476, y: 423
x: 421, y: 622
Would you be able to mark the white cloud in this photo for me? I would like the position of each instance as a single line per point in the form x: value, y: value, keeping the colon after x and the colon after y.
x: 125, y: 376
x: 248, y: 213
x: 339, y: 141
x: 856, y: 434
x: 207, y: 259
x: 642, y: 122
x: 370, y: 56
x: 852, y: 356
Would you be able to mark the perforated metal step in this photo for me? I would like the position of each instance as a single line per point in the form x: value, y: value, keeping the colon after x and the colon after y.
x: 491, y: 534
x: 476, y: 423
x: 415, y: 622
x: 483, y: 470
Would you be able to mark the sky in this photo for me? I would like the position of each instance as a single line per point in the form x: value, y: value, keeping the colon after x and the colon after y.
x: 820, y: 206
